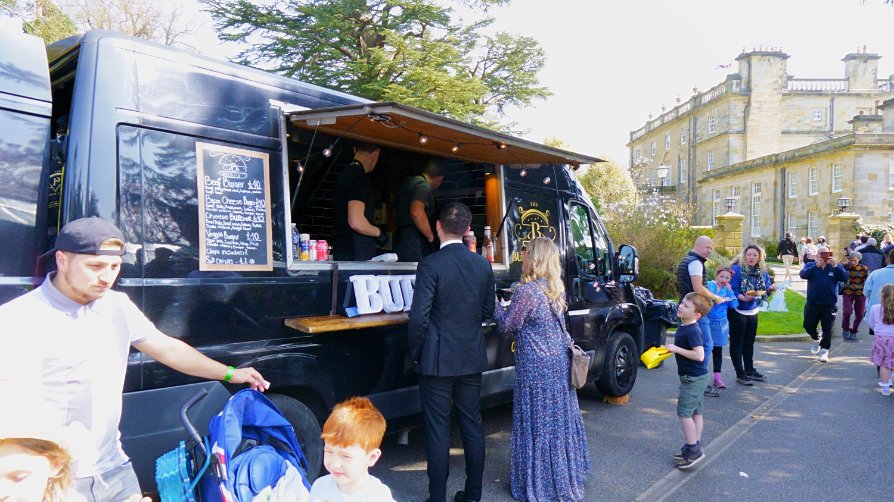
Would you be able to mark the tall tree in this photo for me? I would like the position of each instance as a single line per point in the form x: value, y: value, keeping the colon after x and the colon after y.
x: 161, y: 21
x: 412, y: 51
x: 609, y: 186
x: 41, y: 18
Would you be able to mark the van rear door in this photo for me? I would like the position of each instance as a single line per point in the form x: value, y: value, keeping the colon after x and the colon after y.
x: 25, y: 116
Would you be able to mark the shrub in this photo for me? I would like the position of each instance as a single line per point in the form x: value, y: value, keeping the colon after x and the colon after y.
x: 878, y: 232
x: 770, y: 245
x: 658, y: 228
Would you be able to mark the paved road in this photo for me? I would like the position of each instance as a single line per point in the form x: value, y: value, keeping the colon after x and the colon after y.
x: 814, y: 431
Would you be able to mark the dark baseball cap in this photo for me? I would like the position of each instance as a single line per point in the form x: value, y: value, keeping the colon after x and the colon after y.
x: 86, y: 235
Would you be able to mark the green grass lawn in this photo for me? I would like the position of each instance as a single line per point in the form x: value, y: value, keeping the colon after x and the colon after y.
x: 784, y: 323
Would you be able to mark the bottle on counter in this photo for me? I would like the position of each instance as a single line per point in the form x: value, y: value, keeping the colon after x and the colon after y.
x: 487, y: 246
x: 470, y: 241
x: 305, y: 247
x: 296, y: 248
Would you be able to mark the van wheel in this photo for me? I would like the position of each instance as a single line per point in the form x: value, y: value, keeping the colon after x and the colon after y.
x: 619, y: 368
x: 307, y: 431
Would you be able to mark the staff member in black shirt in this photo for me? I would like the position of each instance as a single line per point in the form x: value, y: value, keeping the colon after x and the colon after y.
x: 415, y: 211
x: 355, y: 238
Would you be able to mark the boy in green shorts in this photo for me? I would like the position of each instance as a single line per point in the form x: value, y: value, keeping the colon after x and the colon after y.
x: 689, y: 351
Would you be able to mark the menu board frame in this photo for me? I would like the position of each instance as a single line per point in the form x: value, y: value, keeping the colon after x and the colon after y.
x: 201, y: 150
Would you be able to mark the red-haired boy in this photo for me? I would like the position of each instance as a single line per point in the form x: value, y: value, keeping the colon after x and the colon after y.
x: 352, y: 436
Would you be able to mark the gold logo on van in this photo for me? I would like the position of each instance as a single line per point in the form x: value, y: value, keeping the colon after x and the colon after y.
x: 532, y: 223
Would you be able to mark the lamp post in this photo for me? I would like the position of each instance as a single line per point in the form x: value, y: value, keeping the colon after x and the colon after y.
x: 662, y: 171
x: 730, y: 203
x: 843, y: 204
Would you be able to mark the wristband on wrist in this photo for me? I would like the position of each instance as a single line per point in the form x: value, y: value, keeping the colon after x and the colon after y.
x: 230, y: 371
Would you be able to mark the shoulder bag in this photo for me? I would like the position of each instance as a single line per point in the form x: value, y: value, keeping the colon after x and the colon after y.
x: 580, y: 360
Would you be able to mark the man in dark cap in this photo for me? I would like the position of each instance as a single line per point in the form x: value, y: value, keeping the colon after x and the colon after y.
x: 71, y: 344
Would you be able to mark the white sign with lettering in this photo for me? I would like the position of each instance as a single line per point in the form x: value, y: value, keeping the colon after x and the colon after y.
x: 377, y: 293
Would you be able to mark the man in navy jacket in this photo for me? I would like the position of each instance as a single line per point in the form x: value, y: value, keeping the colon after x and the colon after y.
x: 453, y: 294
x: 822, y: 278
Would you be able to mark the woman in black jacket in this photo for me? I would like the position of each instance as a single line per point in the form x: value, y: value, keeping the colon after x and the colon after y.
x: 787, y: 251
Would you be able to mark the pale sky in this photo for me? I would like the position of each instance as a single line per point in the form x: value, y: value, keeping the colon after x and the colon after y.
x: 611, y: 63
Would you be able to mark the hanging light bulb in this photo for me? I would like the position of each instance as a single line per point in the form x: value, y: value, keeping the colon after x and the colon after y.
x: 455, y: 148
x: 501, y: 146
x: 327, y: 152
x: 523, y: 173
x: 423, y: 139
x: 300, y: 167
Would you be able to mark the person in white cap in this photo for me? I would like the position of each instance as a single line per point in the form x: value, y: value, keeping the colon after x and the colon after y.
x: 68, y: 341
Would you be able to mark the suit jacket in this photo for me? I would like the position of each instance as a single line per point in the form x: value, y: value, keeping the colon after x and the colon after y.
x: 454, y: 293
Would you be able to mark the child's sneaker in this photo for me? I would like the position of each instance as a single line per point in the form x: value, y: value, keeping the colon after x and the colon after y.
x: 691, y: 456
x: 678, y: 457
x: 711, y: 391
x: 886, y: 388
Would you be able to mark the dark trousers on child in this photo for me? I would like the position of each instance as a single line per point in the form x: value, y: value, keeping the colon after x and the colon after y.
x: 742, y: 332
x: 852, y: 304
x: 824, y: 315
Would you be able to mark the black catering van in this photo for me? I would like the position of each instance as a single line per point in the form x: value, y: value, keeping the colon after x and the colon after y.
x: 206, y: 165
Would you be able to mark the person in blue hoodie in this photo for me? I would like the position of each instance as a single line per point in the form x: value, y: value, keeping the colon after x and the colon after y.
x: 822, y: 278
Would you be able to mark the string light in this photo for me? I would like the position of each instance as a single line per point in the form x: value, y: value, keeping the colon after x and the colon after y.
x: 423, y: 139
x: 501, y: 146
x: 327, y: 152
x: 455, y: 148
x: 523, y: 173
x: 300, y: 167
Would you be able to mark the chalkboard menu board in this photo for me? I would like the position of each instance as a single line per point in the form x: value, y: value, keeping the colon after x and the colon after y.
x: 235, y: 229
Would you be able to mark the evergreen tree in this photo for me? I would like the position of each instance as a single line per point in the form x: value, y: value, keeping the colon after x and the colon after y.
x: 410, y: 51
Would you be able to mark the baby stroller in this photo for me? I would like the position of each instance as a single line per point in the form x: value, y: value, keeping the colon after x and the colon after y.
x: 251, y: 453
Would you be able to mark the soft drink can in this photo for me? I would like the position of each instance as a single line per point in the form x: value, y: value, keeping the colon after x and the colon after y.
x: 322, y: 250
x: 313, y: 250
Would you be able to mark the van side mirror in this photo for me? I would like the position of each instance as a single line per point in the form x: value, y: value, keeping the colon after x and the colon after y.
x: 628, y: 263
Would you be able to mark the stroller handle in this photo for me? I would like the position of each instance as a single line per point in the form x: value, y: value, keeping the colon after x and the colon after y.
x: 184, y: 418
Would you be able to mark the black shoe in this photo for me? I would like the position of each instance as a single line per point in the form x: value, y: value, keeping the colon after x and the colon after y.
x: 754, y: 375
x: 461, y: 497
x: 691, y: 457
x: 744, y: 380
x: 678, y: 457
x: 711, y: 391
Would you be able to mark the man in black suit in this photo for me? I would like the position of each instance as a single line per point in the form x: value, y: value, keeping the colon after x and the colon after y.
x: 454, y: 293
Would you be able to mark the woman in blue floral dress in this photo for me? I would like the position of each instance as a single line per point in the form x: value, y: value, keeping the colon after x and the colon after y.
x: 549, y: 459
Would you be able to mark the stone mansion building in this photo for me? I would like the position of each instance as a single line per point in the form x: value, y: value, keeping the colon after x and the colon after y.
x: 786, y: 149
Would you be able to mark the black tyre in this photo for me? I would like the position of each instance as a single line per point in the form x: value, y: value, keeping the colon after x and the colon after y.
x: 307, y: 431
x: 619, y: 368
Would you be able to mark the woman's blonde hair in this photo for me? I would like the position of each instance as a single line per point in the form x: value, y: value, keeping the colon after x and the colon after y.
x: 59, y: 459
x: 544, y: 263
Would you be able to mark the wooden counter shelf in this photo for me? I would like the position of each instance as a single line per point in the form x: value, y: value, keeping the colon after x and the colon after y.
x: 329, y: 323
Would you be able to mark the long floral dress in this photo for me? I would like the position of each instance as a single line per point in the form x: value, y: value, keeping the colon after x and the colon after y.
x: 549, y: 459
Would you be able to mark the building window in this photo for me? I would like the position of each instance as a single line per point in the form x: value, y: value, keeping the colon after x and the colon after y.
x: 836, y: 177
x: 712, y: 125
x: 792, y: 226
x: 715, y: 207
x: 735, y: 192
x: 653, y: 149
x: 812, y: 182
x: 682, y: 136
x: 891, y: 174
x: 811, y: 224
x: 637, y: 156
x: 667, y: 141
x: 710, y: 159
x: 818, y: 114
x: 683, y: 175
x: 792, y: 184
x: 755, y: 209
